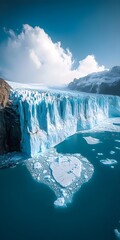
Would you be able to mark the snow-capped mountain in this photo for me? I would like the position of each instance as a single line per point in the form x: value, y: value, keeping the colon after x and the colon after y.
x: 106, y: 82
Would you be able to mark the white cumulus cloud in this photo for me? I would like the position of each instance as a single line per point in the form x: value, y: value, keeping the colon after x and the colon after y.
x: 32, y: 57
x: 89, y: 65
x: 35, y: 58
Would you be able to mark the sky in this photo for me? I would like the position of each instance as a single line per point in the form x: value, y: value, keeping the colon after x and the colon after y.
x: 54, y: 41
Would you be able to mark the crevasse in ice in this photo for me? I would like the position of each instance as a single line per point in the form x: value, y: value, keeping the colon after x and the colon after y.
x: 47, y: 118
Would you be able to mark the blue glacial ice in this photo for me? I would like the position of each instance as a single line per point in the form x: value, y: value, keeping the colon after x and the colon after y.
x: 47, y: 118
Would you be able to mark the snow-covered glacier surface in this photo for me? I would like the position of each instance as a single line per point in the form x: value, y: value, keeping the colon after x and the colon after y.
x: 49, y: 117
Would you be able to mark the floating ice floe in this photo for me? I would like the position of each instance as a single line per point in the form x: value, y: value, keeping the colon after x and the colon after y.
x: 112, y: 152
x: 60, y: 202
x: 64, y: 174
x: 37, y: 165
x: 108, y: 161
x: 91, y: 140
x: 117, y: 234
x: 117, y: 140
x: 117, y: 148
x: 65, y: 169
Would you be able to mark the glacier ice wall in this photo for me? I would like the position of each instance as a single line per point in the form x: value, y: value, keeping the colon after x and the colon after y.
x: 47, y: 118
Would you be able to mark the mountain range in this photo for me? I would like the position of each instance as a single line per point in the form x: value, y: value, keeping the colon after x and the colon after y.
x: 106, y: 82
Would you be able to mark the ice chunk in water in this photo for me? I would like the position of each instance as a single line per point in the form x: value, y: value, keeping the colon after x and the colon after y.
x: 91, y: 140
x: 66, y: 169
x: 60, y: 202
x: 108, y: 161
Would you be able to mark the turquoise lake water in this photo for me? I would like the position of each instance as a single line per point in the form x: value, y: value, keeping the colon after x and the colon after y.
x: 26, y: 206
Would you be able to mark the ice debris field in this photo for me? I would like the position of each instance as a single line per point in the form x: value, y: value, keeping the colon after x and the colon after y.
x: 48, y: 118
x: 63, y: 173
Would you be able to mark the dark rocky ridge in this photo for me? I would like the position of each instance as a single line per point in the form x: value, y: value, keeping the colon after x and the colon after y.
x: 10, y: 134
x: 106, y: 82
x: 4, y: 93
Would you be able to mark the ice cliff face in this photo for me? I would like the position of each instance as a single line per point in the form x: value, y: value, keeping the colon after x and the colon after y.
x: 47, y: 118
x: 106, y: 82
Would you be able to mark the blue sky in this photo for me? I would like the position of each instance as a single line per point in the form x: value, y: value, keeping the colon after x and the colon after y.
x: 86, y: 27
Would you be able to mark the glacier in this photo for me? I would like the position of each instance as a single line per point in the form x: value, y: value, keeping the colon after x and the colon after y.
x: 49, y: 117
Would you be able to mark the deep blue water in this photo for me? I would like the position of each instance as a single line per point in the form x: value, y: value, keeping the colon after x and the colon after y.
x: 26, y: 207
